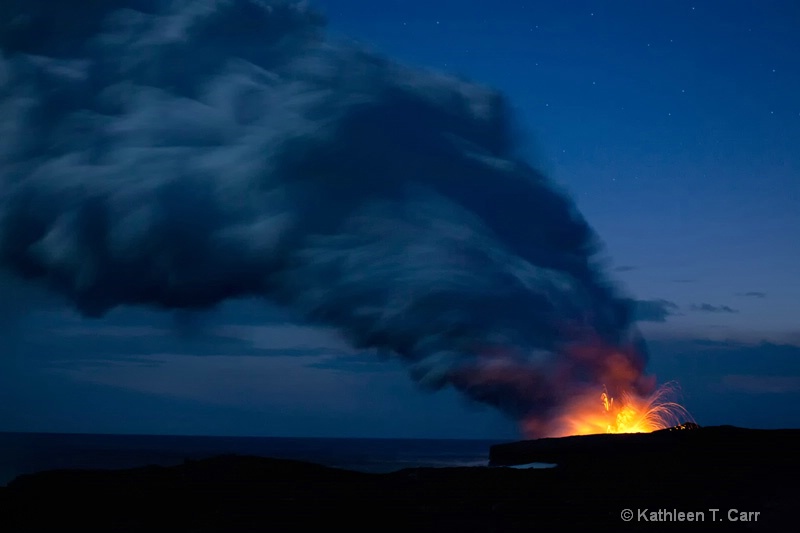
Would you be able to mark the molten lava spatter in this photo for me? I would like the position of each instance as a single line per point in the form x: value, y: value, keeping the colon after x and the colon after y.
x: 628, y: 413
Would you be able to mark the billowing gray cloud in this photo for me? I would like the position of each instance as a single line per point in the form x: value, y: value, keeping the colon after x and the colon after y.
x: 708, y: 308
x: 178, y: 154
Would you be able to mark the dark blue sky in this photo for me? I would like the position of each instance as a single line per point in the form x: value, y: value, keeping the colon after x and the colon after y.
x: 675, y: 127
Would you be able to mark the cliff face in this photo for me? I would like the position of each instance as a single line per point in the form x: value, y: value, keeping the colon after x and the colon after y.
x: 720, y: 445
x: 597, y: 478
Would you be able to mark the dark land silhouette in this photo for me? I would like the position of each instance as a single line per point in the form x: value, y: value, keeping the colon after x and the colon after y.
x: 695, y: 470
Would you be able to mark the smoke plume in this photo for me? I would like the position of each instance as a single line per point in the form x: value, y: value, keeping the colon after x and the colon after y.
x: 177, y: 154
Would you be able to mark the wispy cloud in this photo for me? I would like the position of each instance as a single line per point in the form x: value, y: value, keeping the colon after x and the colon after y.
x: 754, y: 384
x: 753, y: 294
x: 358, y: 363
x: 708, y: 308
x: 653, y: 310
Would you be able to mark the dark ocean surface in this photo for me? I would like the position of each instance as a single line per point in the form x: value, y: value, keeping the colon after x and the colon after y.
x: 24, y: 453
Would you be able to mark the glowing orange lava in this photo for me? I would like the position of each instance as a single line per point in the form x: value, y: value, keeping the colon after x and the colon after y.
x: 629, y: 413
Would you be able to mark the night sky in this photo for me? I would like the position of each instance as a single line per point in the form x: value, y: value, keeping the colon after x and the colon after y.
x: 673, y: 126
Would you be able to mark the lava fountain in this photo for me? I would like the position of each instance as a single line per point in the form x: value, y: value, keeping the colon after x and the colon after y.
x: 605, y: 390
x: 626, y: 413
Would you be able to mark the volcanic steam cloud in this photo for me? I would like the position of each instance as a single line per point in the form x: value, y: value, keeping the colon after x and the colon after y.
x: 176, y: 154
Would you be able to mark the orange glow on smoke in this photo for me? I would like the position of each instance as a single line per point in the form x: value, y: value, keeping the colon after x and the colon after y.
x: 627, y: 413
x: 594, y: 387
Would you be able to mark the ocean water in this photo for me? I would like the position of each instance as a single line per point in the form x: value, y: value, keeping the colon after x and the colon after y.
x: 24, y: 453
